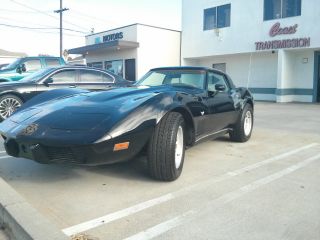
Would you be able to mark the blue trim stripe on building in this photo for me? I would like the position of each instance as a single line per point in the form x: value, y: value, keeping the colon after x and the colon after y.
x: 263, y: 90
x: 316, y: 76
x: 283, y: 91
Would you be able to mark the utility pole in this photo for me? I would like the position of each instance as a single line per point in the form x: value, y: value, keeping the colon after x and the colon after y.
x: 60, y: 11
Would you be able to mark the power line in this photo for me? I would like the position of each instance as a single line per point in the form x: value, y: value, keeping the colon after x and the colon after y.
x: 25, y: 22
x: 34, y: 9
x: 39, y: 28
x: 92, y: 17
x: 49, y: 32
x: 16, y: 11
x: 47, y: 14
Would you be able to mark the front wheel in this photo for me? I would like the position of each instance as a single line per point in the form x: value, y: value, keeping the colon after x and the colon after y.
x: 167, y: 147
x: 242, y: 130
x: 8, y: 105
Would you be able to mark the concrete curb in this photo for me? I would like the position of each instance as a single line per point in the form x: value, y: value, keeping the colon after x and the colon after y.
x: 22, y: 220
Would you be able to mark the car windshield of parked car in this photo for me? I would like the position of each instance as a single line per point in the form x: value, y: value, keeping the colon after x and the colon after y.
x: 191, y: 78
x: 36, y: 76
x: 12, y: 65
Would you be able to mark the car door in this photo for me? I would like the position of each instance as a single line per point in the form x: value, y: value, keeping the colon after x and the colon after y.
x: 66, y: 78
x: 220, y: 102
x: 95, y: 80
x: 194, y: 96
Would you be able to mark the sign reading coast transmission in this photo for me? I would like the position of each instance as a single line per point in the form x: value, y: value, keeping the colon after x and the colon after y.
x: 277, y: 30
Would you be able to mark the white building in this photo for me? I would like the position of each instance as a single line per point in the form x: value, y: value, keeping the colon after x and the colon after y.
x: 131, y: 51
x: 271, y: 46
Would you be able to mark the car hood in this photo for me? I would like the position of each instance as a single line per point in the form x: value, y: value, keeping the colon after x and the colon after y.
x: 93, y: 113
x: 87, y: 118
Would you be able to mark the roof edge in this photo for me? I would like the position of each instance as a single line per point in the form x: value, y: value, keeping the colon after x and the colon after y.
x: 134, y: 24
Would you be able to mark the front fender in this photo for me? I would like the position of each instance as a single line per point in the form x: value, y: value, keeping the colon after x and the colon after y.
x: 149, y: 113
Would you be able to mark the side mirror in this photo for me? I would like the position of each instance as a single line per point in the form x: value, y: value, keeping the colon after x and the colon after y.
x: 220, y: 87
x: 48, y: 81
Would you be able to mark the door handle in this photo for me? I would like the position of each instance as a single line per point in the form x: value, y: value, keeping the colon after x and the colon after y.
x: 72, y: 86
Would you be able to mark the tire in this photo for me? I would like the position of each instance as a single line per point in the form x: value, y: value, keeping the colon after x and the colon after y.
x: 8, y: 105
x: 242, y: 130
x: 167, y: 148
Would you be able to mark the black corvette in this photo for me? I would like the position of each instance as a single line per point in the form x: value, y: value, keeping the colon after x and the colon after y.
x: 14, y: 94
x: 168, y: 110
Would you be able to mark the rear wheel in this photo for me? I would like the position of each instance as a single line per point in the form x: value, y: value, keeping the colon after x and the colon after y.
x: 8, y: 105
x: 167, y: 147
x: 243, y: 128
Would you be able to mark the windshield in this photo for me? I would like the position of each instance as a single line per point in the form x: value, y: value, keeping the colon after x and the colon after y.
x: 192, y: 78
x: 12, y: 65
x: 36, y: 76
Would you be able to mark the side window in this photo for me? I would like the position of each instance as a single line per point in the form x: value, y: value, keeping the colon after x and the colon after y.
x: 214, y: 79
x: 52, y: 62
x: 194, y: 80
x: 32, y: 65
x: 107, y: 78
x: 67, y: 76
x: 87, y: 76
x: 220, y: 66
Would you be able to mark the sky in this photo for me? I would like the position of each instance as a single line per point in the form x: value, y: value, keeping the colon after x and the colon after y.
x: 80, y: 19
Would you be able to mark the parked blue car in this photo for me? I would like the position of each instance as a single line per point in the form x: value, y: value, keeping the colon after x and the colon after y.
x: 23, y: 67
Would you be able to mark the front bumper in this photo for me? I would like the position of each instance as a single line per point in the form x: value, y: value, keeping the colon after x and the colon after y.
x: 94, y: 154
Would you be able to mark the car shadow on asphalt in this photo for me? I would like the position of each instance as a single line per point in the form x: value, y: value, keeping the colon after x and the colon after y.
x: 134, y: 169
x: 13, y: 169
x: 23, y: 170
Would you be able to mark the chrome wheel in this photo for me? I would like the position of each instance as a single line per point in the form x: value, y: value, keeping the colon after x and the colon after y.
x: 8, y: 106
x: 179, y: 147
x: 248, y: 123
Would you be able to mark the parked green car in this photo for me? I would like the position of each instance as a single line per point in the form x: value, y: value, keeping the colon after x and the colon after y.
x: 23, y: 67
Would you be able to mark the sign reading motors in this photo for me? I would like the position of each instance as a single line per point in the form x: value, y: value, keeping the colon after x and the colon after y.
x: 277, y: 30
x: 112, y: 37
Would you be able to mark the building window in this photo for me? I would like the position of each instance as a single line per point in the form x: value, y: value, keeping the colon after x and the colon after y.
x: 220, y: 66
x: 274, y: 9
x: 217, y: 17
x: 95, y: 65
x: 115, y: 67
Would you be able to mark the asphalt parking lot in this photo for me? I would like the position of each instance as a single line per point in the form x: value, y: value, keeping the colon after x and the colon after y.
x: 267, y: 188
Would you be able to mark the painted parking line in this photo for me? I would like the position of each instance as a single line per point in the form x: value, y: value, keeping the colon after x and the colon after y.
x: 7, y: 156
x: 161, y: 228
x: 85, y: 226
x: 166, y: 226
